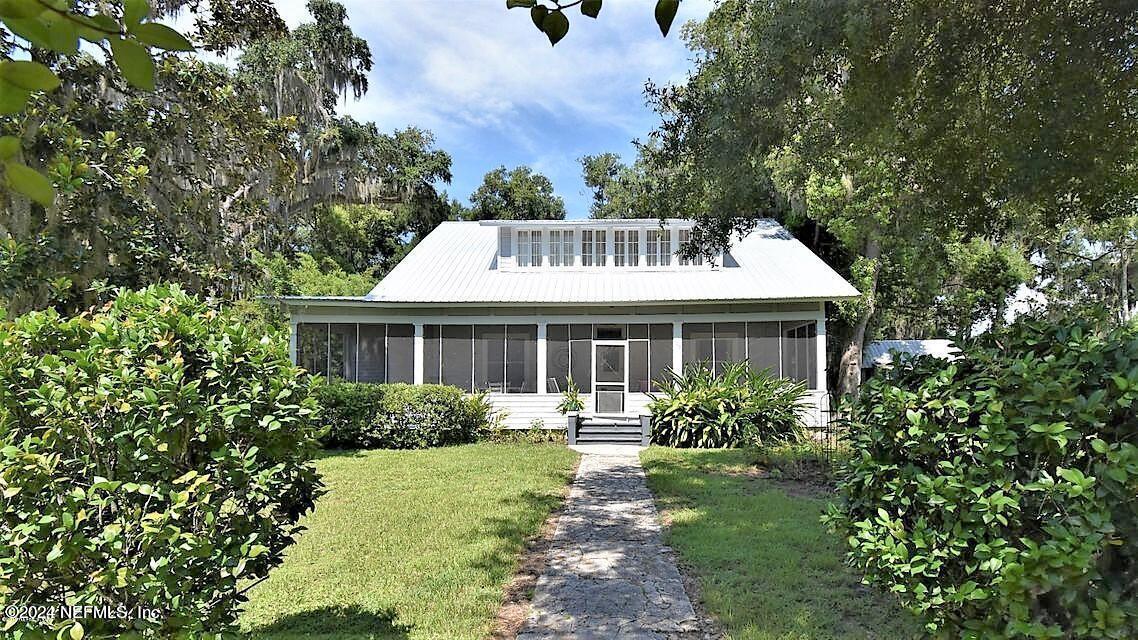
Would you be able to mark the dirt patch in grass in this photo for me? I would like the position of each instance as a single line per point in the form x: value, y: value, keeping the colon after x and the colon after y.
x: 519, y: 590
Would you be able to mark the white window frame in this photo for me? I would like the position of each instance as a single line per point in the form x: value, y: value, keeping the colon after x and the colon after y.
x: 618, y: 244
x: 567, y: 247
x: 632, y: 248
x: 555, y: 248
x: 525, y: 252
x: 536, y: 244
x: 587, y: 246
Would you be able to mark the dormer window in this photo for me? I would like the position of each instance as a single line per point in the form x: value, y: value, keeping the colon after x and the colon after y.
x: 622, y: 245
x: 659, y: 252
x: 626, y: 248
x: 685, y: 237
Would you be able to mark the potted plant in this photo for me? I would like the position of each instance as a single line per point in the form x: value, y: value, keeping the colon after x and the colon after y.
x: 571, y: 402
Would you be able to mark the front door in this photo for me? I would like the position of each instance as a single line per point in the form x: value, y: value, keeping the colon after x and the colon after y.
x: 609, y: 384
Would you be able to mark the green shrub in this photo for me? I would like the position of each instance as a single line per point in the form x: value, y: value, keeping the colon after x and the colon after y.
x: 153, y: 454
x: 738, y: 407
x: 400, y: 416
x: 998, y: 495
x: 571, y: 400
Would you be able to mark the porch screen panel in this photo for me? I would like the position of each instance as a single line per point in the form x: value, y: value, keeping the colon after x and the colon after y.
x: 557, y: 358
x: 581, y: 356
x: 659, y: 354
x: 799, y: 352
x: 457, y: 359
x: 698, y: 347
x: 312, y: 347
x: 400, y: 353
x: 342, y: 351
x: 730, y: 343
x: 762, y: 347
x: 638, y: 380
x: 521, y: 358
x: 490, y: 357
x: 432, y: 344
x: 372, y: 365
x: 637, y: 332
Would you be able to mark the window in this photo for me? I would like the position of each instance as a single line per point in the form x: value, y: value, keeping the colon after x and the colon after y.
x: 432, y: 353
x: 456, y: 360
x: 787, y: 349
x: 555, y: 248
x: 521, y: 358
x: 400, y: 353
x: 599, y: 248
x: 357, y: 352
x: 535, y: 243
x: 659, y: 354
x: 372, y: 353
x: 685, y: 238
x: 490, y: 357
x: 618, y: 248
x: 312, y: 347
x: 730, y: 343
x: 665, y: 247
x: 659, y: 251
x: 569, y: 352
x: 633, y: 253
x: 800, y: 352
x: 567, y: 247
x: 587, y: 248
x: 763, y: 347
x: 525, y: 251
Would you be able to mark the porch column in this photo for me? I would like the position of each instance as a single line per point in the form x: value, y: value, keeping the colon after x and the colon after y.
x: 292, y: 329
x: 677, y: 347
x: 418, y: 353
x: 541, y: 354
x: 822, y: 350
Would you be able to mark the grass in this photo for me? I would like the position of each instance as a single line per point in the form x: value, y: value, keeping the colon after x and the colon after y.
x: 766, y: 567
x: 410, y: 544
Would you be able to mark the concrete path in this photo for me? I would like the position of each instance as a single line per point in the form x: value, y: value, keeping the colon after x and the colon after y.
x: 608, y: 573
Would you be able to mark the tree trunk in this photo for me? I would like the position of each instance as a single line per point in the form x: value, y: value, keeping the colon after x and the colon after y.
x: 849, y: 367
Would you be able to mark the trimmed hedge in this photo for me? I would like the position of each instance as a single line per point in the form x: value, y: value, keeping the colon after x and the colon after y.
x: 738, y: 407
x: 400, y: 416
x: 154, y: 453
x: 997, y: 495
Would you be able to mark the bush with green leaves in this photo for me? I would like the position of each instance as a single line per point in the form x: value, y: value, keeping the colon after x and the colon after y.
x: 997, y: 495
x: 153, y: 453
x: 737, y: 407
x: 400, y: 416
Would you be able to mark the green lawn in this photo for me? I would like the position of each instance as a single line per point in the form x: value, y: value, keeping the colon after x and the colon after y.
x: 410, y: 544
x: 766, y: 566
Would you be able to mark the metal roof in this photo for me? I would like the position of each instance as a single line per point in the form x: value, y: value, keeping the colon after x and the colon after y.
x: 458, y: 263
x: 880, y: 352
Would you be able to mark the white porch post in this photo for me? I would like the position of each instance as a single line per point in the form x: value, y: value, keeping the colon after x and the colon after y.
x: 822, y: 351
x: 418, y: 353
x: 541, y: 364
x: 677, y: 346
x: 293, y: 327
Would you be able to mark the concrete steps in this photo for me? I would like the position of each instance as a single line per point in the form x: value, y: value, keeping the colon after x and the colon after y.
x: 595, y: 430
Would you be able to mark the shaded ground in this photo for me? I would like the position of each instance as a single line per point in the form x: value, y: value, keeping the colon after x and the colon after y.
x: 766, y: 567
x: 411, y: 544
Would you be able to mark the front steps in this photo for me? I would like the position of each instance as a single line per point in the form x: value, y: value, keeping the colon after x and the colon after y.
x: 608, y: 430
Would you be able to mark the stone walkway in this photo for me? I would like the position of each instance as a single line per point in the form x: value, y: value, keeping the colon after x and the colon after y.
x: 608, y: 573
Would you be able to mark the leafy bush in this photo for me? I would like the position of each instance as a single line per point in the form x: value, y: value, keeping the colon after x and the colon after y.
x: 998, y: 495
x: 400, y: 416
x: 152, y: 454
x: 571, y: 399
x: 738, y: 407
x: 538, y: 434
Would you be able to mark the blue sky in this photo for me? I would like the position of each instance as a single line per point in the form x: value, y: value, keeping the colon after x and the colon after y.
x: 494, y: 92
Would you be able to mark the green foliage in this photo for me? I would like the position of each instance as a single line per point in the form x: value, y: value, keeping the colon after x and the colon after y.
x: 538, y: 433
x: 307, y: 276
x: 571, y: 398
x: 997, y: 495
x: 400, y: 416
x: 738, y: 407
x: 549, y: 16
x: 58, y: 27
x: 516, y: 194
x: 153, y: 453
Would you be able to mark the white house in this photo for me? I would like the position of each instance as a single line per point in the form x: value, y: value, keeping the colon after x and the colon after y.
x: 515, y: 308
